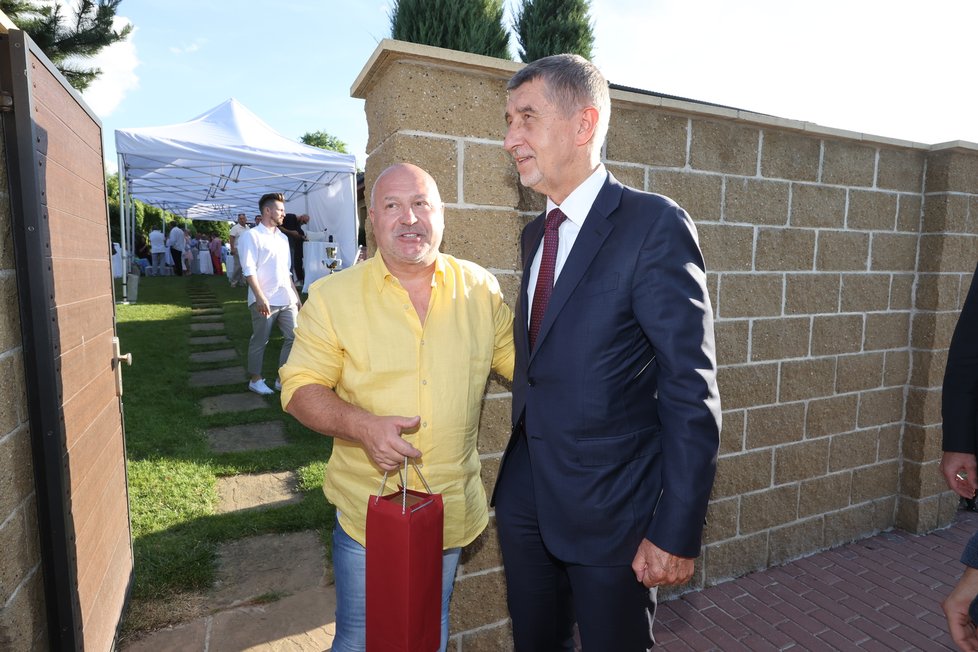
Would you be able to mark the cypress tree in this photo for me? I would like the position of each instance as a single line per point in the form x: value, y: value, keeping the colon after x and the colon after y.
x: 467, y: 25
x: 66, y: 39
x: 546, y: 27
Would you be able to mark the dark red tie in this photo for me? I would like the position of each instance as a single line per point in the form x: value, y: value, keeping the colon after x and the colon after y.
x: 545, y: 278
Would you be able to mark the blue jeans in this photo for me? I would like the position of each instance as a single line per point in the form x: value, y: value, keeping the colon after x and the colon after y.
x: 350, y: 576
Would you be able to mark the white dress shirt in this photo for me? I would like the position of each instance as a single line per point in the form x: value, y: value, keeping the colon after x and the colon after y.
x: 575, y: 207
x: 265, y: 254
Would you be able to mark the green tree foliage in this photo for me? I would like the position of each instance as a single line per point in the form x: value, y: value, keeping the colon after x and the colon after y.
x: 148, y: 217
x: 65, y: 36
x: 467, y: 25
x: 546, y: 27
x: 323, y: 140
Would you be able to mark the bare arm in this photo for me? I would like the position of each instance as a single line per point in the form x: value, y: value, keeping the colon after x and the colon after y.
x: 261, y: 303
x: 319, y: 408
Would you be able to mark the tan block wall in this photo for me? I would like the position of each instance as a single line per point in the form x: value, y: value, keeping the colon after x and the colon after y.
x: 836, y: 264
x: 22, y: 615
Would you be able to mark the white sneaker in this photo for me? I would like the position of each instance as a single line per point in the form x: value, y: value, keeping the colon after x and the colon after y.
x: 278, y: 385
x: 259, y: 387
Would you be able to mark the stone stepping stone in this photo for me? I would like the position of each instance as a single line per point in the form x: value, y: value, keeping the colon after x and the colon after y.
x: 201, y: 319
x: 222, y: 403
x: 257, y: 491
x: 210, y: 339
x: 247, y: 437
x: 302, y: 622
x: 269, y: 563
x: 219, y: 355
x: 207, y: 311
x: 216, y: 326
x: 216, y: 377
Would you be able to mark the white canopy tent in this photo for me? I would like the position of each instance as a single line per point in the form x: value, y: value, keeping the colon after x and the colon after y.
x: 220, y: 163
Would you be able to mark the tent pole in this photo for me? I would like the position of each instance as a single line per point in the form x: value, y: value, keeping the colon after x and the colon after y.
x: 122, y: 229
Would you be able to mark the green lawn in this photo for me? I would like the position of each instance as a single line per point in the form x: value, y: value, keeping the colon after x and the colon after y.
x: 172, y: 472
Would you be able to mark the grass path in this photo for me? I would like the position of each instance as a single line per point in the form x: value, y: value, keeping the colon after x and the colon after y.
x: 172, y: 471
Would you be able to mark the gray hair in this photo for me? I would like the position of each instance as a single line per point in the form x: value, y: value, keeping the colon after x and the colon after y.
x: 572, y: 83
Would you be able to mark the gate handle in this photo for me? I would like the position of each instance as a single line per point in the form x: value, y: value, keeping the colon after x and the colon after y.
x: 117, y: 359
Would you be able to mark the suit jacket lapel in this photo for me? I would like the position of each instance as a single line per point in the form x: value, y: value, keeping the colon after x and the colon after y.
x: 593, y: 233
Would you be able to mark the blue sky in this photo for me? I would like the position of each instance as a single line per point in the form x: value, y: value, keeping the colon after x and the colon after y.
x: 891, y: 68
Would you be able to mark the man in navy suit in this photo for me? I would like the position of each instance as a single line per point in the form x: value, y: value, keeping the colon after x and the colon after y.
x: 603, y: 489
x: 959, y: 401
x: 959, y: 409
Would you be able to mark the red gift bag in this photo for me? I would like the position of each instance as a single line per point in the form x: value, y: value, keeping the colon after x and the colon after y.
x: 404, y: 559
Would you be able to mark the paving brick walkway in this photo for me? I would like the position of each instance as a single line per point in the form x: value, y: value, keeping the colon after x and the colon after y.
x: 882, y: 593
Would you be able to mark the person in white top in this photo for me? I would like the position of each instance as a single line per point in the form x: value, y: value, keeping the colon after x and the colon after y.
x: 177, y: 243
x: 157, y: 250
x: 272, y: 297
x: 235, y: 278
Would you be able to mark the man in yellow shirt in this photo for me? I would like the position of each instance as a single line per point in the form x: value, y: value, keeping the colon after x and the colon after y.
x: 391, y: 358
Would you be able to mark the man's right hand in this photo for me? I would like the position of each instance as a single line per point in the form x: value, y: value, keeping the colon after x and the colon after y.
x: 955, y: 607
x: 960, y: 471
x: 383, y: 442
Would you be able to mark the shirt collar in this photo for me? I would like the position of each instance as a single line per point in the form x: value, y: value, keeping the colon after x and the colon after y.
x: 578, y: 203
x: 382, y: 275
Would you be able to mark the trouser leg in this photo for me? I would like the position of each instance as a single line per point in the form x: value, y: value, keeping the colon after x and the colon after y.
x: 261, y: 329
x: 177, y: 261
x: 537, y: 586
x: 286, y: 324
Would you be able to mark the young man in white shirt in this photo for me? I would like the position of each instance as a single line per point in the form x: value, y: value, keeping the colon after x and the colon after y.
x: 272, y: 297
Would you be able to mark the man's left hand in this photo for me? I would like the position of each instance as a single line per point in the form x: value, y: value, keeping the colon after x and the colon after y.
x: 654, y: 566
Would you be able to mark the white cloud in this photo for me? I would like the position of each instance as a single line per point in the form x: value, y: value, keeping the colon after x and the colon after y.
x: 187, y: 49
x: 118, y: 64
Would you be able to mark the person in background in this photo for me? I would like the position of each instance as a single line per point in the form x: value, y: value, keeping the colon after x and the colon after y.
x: 602, y: 491
x: 272, y: 297
x: 959, y: 410
x: 177, y: 244
x: 157, y: 251
x: 214, y: 247
x: 292, y: 227
x: 190, y: 253
x: 391, y: 360
x: 235, y: 278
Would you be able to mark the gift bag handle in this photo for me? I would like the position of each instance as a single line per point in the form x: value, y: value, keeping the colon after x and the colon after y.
x: 402, y: 474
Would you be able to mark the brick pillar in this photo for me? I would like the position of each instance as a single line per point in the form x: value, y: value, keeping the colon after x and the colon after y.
x: 22, y: 615
x: 946, y: 258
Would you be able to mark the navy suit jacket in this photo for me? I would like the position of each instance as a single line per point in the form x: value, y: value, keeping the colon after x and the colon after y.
x: 959, y: 399
x: 618, y: 400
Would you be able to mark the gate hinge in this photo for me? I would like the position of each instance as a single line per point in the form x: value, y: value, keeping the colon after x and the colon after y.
x: 6, y: 101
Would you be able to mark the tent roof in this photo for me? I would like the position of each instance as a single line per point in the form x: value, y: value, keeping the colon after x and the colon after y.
x: 219, y: 164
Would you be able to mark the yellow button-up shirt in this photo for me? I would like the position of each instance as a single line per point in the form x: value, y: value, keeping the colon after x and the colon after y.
x: 359, y: 334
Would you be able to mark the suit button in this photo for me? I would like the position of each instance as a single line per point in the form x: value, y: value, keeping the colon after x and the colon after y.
x: 531, y: 382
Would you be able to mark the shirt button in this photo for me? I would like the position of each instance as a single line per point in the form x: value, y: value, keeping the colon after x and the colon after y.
x: 424, y: 382
x: 422, y: 342
x: 424, y: 424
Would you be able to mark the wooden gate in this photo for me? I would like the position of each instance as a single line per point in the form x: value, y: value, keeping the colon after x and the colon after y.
x: 67, y: 312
